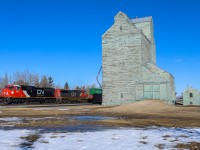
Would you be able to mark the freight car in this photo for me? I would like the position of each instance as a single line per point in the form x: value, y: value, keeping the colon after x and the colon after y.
x: 71, y: 96
x: 96, y: 95
x: 27, y: 94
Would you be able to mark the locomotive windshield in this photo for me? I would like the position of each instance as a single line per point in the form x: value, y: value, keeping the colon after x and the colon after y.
x: 11, y: 88
x: 18, y: 88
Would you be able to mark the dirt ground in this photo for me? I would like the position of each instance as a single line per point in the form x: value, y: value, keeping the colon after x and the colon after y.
x: 155, y: 113
x: 138, y: 114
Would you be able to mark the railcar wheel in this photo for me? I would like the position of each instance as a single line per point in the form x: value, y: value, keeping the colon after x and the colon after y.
x: 58, y: 101
x: 84, y: 101
x: 7, y: 101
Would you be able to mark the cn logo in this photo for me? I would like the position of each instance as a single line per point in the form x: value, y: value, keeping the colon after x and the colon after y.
x: 73, y: 94
x: 40, y: 92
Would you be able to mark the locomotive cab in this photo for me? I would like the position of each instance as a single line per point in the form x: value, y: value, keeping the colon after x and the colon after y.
x: 12, y: 91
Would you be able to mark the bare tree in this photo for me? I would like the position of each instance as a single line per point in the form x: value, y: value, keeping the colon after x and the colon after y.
x: 19, y: 78
x: 4, y: 81
x: 88, y: 87
x: 93, y: 85
x: 76, y: 87
x: 1, y: 83
x: 58, y: 86
x: 20, y: 82
x: 26, y: 78
x: 33, y: 79
x: 44, y: 81
x: 81, y: 87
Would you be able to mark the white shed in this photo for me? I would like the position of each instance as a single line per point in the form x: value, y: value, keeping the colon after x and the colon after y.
x: 191, y: 96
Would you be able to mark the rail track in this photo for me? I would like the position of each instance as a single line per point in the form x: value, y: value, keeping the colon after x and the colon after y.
x: 44, y: 105
x: 41, y: 101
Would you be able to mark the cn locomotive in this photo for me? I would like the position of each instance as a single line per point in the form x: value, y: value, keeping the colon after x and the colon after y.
x: 15, y: 94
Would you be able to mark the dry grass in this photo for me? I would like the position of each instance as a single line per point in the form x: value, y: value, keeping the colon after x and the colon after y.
x: 160, y: 146
x: 190, y: 146
x: 49, y: 111
x: 143, y: 142
x: 155, y: 113
x: 29, y: 140
x: 138, y: 114
x: 47, y: 123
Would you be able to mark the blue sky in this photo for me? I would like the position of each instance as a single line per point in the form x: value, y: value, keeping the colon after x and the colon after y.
x: 62, y: 38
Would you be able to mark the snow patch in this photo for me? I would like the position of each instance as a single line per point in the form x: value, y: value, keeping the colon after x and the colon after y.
x: 63, y: 109
x: 117, y: 139
x: 43, y: 118
x: 84, y: 110
x: 11, y: 119
x: 42, y: 108
x: 10, y: 139
x: 112, y: 139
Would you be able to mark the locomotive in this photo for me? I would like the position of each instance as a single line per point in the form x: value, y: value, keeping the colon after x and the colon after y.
x: 26, y: 94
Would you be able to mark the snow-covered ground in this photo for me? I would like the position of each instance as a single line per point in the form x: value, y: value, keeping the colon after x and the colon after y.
x: 10, y: 139
x: 109, y: 139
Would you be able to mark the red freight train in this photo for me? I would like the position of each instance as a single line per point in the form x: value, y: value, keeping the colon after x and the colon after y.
x: 26, y: 94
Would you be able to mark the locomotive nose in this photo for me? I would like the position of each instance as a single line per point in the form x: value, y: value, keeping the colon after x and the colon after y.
x: 4, y: 93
